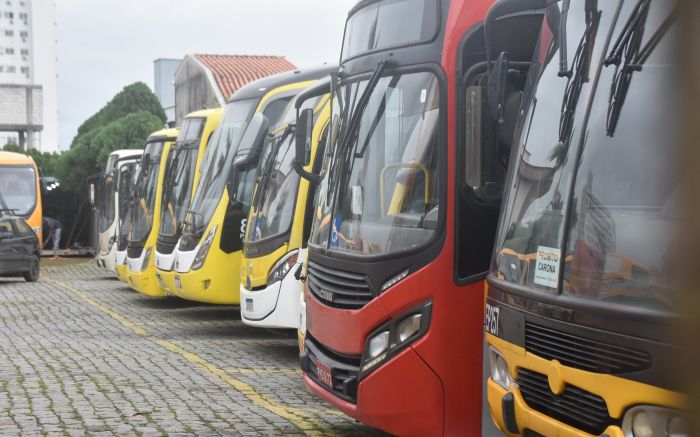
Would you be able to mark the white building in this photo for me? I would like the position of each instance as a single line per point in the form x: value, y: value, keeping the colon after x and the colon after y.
x: 28, y: 60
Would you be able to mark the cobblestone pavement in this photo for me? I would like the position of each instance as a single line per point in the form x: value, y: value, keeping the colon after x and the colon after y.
x: 80, y: 354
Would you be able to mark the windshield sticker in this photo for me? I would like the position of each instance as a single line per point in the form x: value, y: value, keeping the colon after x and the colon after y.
x: 356, y: 200
x: 423, y: 95
x: 547, y: 267
x: 337, y: 221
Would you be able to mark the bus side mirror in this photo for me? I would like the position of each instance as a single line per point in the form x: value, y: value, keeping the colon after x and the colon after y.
x: 304, y: 130
x: 92, y: 194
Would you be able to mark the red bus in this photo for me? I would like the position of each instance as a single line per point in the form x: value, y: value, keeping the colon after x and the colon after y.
x: 400, y: 240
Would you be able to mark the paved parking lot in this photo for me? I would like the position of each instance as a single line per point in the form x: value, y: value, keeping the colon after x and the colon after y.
x: 80, y: 352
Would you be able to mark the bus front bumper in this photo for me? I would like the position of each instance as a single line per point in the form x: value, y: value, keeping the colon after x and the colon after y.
x: 512, y: 414
x: 121, y: 272
x: 208, y: 286
x: 166, y: 281
x: 402, y: 397
x: 145, y: 282
x: 274, y: 306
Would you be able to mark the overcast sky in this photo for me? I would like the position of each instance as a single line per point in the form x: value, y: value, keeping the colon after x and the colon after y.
x: 104, y: 45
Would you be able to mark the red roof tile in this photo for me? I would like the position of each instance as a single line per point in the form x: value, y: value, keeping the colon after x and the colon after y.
x: 233, y: 71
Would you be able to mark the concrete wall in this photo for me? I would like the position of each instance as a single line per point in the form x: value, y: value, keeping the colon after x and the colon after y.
x: 163, y: 84
x: 194, y: 89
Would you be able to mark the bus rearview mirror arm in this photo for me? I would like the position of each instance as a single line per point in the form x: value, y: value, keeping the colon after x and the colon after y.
x: 303, y: 139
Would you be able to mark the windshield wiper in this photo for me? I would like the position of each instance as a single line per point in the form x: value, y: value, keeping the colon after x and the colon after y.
x: 266, y: 167
x: 629, y: 57
x: 170, y: 178
x: 578, y: 75
x: 345, y: 150
x: 563, y: 61
x: 4, y: 209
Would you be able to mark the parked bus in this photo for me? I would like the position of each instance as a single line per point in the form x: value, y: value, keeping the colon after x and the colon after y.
x: 108, y: 203
x: 207, y: 260
x: 145, y: 212
x: 19, y: 185
x: 181, y: 178
x: 584, y: 289
x: 401, y: 241
x: 127, y: 183
x: 278, y: 222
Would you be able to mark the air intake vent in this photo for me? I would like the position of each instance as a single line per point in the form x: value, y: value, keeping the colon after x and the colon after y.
x: 575, y: 407
x: 583, y: 353
x: 337, y: 288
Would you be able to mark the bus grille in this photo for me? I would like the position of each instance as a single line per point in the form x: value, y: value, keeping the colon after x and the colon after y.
x: 345, y: 369
x: 337, y: 288
x: 582, y: 353
x: 575, y: 407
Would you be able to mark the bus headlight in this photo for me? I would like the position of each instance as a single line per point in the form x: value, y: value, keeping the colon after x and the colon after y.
x: 499, y: 369
x: 394, y: 336
x: 282, y: 267
x: 648, y: 421
x: 146, y: 259
x: 378, y: 344
x: 204, y: 249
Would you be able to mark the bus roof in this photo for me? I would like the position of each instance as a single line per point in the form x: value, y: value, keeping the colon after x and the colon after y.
x: 260, y: 87
x: 163, y: 134
x: 123, y: 153
x: 12, y: 158
x: 203, y: 113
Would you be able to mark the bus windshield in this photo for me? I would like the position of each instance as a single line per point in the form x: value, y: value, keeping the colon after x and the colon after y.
x: 597, y: 217
x: 277, y: 183
x: 179, y: 176
x: 18, y: 187
x: 145, y: 198
x: 127, y: 180
x: 217, y: 163
x: 380, y: 192
x: 389, y: 23
x: 106, y: 207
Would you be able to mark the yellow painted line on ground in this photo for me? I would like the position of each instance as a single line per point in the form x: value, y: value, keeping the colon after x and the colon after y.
x: 296, y: 416
x: 265, y: 371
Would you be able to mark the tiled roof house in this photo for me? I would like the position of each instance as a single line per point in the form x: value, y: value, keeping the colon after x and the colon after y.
x: 210, y: 80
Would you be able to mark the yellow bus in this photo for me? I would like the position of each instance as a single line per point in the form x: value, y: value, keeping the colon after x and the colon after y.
x: 208, y: 256
x: 277, y: 228
x: 182, y: 176
x: 145, y: 213
x: 584, y: 292
x: 19, y: 185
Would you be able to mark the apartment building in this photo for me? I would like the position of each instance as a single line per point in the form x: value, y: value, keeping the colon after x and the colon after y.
x: 28, y: 75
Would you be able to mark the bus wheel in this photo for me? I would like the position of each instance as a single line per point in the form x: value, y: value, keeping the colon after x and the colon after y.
x: 33, y: 274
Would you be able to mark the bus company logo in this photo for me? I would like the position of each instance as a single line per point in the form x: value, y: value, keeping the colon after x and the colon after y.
x: 325, y: 294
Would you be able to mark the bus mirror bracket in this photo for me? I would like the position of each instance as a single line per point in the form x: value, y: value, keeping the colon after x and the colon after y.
x: 473, y: 150
x: 302, y: 144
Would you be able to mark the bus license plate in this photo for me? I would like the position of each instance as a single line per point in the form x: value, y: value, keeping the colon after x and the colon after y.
x: 491, y: 319
x: 324, y: 373
x: 177, y: 282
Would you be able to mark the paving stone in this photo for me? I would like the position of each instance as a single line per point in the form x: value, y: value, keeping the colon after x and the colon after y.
x: 69, y: 368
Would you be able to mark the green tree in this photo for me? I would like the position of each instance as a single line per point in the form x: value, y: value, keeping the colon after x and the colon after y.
x: 89, y: 154
x: 133, y: 98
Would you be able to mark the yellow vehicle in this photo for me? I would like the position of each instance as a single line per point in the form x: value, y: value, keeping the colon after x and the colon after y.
x: 182, y: 176
x: 125, y: 193
x: 208, y: 256
x: 19, y: 185
x: 145, y: 213
x: 277, y: 228
x: 584, y: 290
